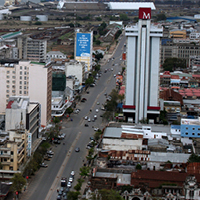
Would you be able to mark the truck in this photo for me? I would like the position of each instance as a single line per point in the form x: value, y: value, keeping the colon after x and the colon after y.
x: 63, y: 182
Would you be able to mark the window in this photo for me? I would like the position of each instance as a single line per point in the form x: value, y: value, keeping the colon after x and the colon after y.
x: 7, y: 86
x: 20, y: 73
x: 13, y: 77
x: 20, y: 67
x: 25, y: 87
x: 193, y: 128
x: 13, y: 81
x: 24, y: 82
x: 24, y: 73
x: 8, y: 72
x: 20, y: 87
x: 186, y: 128
x: 7, y: 76
x: 13, y: 91
x: 7, y: 91
x: 186, y: 133
x: 24, y: 92
x: 7, y: 96
x: 13, y: 72
x: 24, y: 77
x: 20, y: 92
x: 11, y: 160
x: 20, y: 77
x: 13, y: 86
x: 7, y: 81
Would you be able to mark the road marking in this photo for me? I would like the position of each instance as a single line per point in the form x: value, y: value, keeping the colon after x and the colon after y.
x: 60, y: 172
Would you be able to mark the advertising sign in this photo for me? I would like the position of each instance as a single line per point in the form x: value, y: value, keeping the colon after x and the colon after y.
x: 29, y: 143
x: 145, y: 13
x: 83, y: 44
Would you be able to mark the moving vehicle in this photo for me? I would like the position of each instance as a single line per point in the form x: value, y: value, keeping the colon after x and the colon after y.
x: 77, y: 149
x: 72, y: 173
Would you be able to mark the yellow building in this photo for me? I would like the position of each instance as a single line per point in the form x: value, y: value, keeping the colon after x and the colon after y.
x: 177, y: 33
x: 13, y: 152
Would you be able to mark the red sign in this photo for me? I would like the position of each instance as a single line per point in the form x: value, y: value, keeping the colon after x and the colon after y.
x: 145, y: 13
x: 26, y: 177
x: 16, y: 192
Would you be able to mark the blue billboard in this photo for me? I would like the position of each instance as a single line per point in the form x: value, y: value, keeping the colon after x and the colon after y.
x: 83, y: 44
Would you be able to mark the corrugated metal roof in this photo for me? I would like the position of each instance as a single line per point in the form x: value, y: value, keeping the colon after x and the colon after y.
x: 113, y: 132
x: 130, y: 5
x: 172, y: 157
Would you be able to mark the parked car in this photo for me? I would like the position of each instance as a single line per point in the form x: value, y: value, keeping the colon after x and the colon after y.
x: 43, y: 165
x: 86, y: 125
x: 89, y: 119
x: 70, y: 179
x: 97, y: 110
x: 72, y: 173
x: 69, y: 184
x: 56, y: 141
x: 50, y: 152
x: 86, y: 117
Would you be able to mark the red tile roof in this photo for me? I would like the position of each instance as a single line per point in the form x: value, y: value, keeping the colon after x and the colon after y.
x: 156, y: 178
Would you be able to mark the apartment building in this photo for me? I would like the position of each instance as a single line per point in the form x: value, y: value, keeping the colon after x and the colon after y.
x: 13, y: 147
x: 31, y: 49
x: 20, y: 111
x: 77, y: 69
x: 169, y: 49
x: 25, y: 78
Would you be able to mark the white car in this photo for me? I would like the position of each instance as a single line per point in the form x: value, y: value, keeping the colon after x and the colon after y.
x: 69, y: 184
x: 72, y: 173
x: 114, y: 75
x: 70, y: 179
x: 111, y: 69
x: 97, y: 110
x: 86, y: 117
x: 89, y: 120
x: 96, y: 129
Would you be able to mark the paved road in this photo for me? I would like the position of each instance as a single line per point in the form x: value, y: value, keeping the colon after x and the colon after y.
x: 77, y: 135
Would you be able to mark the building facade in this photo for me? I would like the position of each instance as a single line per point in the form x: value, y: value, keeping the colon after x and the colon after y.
x: 27, y: 78
x: 19, y: 111
x: 143, y: 50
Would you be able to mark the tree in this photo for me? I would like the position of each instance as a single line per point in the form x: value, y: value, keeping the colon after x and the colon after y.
x: 138, y: 167
x: 98, y: 19
x: 98, y: 42
x: 160, y: 17
x: 98, y: 56
x: 124, y: 17
x: 118, y: 34
x: 194, y: 158
x: 18, y: 182
x: 71, y: 195
x: 38, y: 23
x: 171, y: 64
x: 84, y: 171
x: 69, y: 110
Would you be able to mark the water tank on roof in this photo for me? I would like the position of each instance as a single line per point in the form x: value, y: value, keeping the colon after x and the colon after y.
x: 25, y: 18
x: 42, y: 18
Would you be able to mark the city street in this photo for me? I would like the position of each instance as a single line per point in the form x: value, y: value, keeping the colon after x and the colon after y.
x: 65, y: 159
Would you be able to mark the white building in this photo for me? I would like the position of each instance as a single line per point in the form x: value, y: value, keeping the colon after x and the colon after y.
x: 77, y: 69
x: 143, y: 50
x: 21, y: 113
x: 27, y: 79
x: 51, y: 55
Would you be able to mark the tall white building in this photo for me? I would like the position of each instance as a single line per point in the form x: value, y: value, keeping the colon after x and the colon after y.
x: 142, y: 77
x: 27, y: 79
